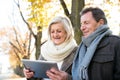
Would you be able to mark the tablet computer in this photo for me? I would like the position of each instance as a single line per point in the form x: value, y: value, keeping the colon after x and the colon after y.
x: 39, y: 67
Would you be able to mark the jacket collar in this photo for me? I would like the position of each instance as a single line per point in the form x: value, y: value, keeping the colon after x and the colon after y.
x: 104, y: 42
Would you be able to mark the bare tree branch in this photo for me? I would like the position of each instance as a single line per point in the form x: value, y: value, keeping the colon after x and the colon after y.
x: 15, y: 47
x: 30, y: 29
x: 65, y: 8
x: 19, y: 44
x: 18, y: 5
x: 17, y: 55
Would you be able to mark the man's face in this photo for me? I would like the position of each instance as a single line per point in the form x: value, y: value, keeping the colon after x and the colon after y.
x: 88, y: 24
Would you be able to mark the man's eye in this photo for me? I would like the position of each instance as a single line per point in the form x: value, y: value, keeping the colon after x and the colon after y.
x: 86, y: 23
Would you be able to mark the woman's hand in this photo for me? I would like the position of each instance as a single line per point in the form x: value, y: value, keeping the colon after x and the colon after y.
x: 55, y: 74
x: 28, y: 73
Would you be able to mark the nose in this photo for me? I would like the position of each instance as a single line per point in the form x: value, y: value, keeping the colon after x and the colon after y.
x: 82, y: 27
x: 55, y: 34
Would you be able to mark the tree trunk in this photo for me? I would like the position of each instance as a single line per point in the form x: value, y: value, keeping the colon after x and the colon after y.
x: 38, y: 43
x: 77, y: 6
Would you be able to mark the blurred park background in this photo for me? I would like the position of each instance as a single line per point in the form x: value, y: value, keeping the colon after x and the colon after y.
x: 23, y: 25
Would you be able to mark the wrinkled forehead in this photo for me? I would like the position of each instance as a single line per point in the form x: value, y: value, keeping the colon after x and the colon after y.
x: 87, y: 16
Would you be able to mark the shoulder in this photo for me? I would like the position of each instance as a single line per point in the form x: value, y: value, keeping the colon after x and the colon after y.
x: 72, y: 54
x: 115, y: 37
x: 112, y: 38
x: 74, y: 50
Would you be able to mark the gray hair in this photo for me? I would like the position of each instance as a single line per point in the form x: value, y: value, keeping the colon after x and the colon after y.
x: 66, y: 25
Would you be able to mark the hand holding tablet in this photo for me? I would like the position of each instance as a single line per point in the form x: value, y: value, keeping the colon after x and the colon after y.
x: 39, y: 67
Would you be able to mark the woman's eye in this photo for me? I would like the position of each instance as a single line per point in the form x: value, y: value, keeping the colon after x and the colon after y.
x: 52, y: 31
x: 58, y: 31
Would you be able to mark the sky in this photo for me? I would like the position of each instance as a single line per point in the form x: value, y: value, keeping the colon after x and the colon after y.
x: 5, y: 7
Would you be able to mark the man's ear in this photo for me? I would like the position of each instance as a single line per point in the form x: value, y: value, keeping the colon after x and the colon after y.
x: 101, y: 21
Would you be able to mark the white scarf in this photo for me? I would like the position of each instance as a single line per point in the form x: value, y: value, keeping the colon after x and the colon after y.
x: 56, y: 53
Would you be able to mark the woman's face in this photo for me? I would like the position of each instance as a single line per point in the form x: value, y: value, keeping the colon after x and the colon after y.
x: 57, y: 33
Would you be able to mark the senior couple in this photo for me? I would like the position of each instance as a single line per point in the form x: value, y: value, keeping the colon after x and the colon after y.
x: 96, y: 58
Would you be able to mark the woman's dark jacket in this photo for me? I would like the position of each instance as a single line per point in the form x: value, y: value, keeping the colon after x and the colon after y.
x: 105, y: 64
x: 66, y: 66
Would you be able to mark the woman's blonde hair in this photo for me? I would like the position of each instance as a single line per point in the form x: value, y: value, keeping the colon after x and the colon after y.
x: 66, y: 25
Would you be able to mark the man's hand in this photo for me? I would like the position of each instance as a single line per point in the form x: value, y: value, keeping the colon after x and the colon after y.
x: 55, y: 74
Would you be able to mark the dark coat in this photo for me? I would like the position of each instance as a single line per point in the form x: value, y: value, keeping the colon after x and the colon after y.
x: 105, y: 64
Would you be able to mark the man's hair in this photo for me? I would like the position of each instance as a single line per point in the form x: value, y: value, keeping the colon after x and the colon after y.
x: 97, y: 13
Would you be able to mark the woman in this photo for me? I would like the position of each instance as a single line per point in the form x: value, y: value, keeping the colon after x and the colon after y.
x: 60, y: 47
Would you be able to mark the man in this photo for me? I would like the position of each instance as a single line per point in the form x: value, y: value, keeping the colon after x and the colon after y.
x: 98, y: 56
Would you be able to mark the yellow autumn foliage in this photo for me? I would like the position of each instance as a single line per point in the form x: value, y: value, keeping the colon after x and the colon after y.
x: 38, y: 12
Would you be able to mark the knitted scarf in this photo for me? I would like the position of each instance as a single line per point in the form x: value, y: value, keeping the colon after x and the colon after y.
x: 56, y: 53
x: 86, y: 51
